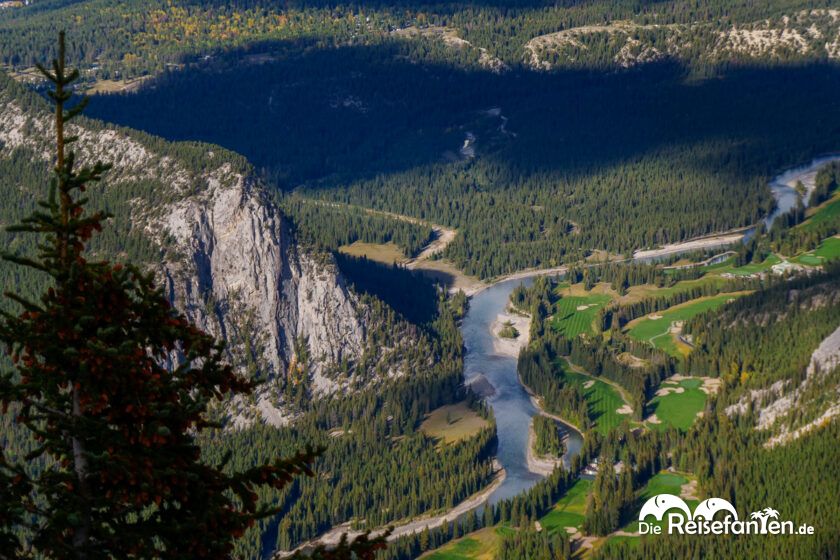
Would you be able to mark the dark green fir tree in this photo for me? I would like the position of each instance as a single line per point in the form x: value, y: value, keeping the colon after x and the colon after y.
x: 114, y: 383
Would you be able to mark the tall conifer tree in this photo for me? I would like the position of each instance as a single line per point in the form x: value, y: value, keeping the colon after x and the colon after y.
x: 113, y: 383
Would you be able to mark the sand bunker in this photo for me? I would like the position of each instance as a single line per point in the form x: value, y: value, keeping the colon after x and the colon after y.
x: 626, y: 409
x: 654, y: 317
x: 653, y: 419
x: 711, y: 385
x: 582, y: 307
x: 589, y: 384
x: 688, y: 491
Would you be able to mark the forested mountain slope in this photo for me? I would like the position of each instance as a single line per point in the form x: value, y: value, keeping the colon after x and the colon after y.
x: 498, y: 34
x: 795, y: 36
x: 782, y: 345
x: 197, y: 216
x: 558, y: 164
x: 336, y: 358
x: 444, y: 111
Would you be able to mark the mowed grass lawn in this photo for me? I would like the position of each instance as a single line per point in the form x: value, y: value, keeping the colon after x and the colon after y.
x: 678, y: 409
x: 479, y: 545
x: 574, y: 315
x: 602, y: 399
x: 827, y: 251
x: 823, y: 213
x: 747, y: 269
x: 569, y: 511
x: 656, y: 331
x: 386, y: 253
x: 453, y: 422
x: 661, y: 483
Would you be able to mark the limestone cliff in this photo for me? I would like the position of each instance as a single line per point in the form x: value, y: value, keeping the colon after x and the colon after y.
x: 227, y: 257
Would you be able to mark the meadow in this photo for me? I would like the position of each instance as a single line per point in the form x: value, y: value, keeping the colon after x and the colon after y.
x: 663, y: 482
x: 824, y: 213
x: 453, y: 422
x: 827, y: 251
x: 747, y: 269
x: 479, y: 545
x: 385, y: 253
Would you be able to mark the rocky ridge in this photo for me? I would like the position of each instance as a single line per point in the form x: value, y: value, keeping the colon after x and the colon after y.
x: 229, y: 260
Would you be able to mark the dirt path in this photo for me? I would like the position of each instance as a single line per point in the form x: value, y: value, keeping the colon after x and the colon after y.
x: 440, y: 269
x: 443, y: 235
x: 333, y: 536
x: 442, y: 238
x: 696, y: 244
x: 451, y: 276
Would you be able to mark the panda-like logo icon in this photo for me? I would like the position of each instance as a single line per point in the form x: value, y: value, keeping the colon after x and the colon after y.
x: 708, y: 508
x: 660, y: 504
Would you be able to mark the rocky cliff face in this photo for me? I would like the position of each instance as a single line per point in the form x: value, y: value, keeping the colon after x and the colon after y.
x: 238, y: 273
x: 228, y: 258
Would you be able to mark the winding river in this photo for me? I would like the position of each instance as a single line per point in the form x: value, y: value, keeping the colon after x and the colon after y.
x: 782, y: 186
x: 510, y: 401
x: 511, y: 404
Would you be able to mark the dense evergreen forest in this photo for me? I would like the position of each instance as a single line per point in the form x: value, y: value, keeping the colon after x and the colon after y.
x: 647, y: 128
x: 333, y: 103
x: 372, y: 439
x: 548, y: 441
x: 536, y: 185
x: 796, y: 479
x: 165, y: 33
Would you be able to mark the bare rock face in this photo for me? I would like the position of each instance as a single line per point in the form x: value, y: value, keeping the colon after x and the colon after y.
x: 229, y: 259
x: 237, y: 272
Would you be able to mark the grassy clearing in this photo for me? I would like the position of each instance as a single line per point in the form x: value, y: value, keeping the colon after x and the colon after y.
x: 387, y: 253
x: 603, y: 399
x: 569, y: 511
x: 657, y: 330
x: 827, y: 251
x: 713, y: 277
x: 116, y: 86
x: 661, y: 483
x: 616, y: 541
x: 449, y: 275
x: 747, y: 269
x: 678, y: 409
x: 576, y: 310
x: 453, y: 422
x: 823, y: 213
x: 638, y: 293
x: 480, y: 545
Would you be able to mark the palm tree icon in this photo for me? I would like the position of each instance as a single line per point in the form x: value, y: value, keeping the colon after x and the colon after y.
x: 771, y: 513
x: 764, y: 515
